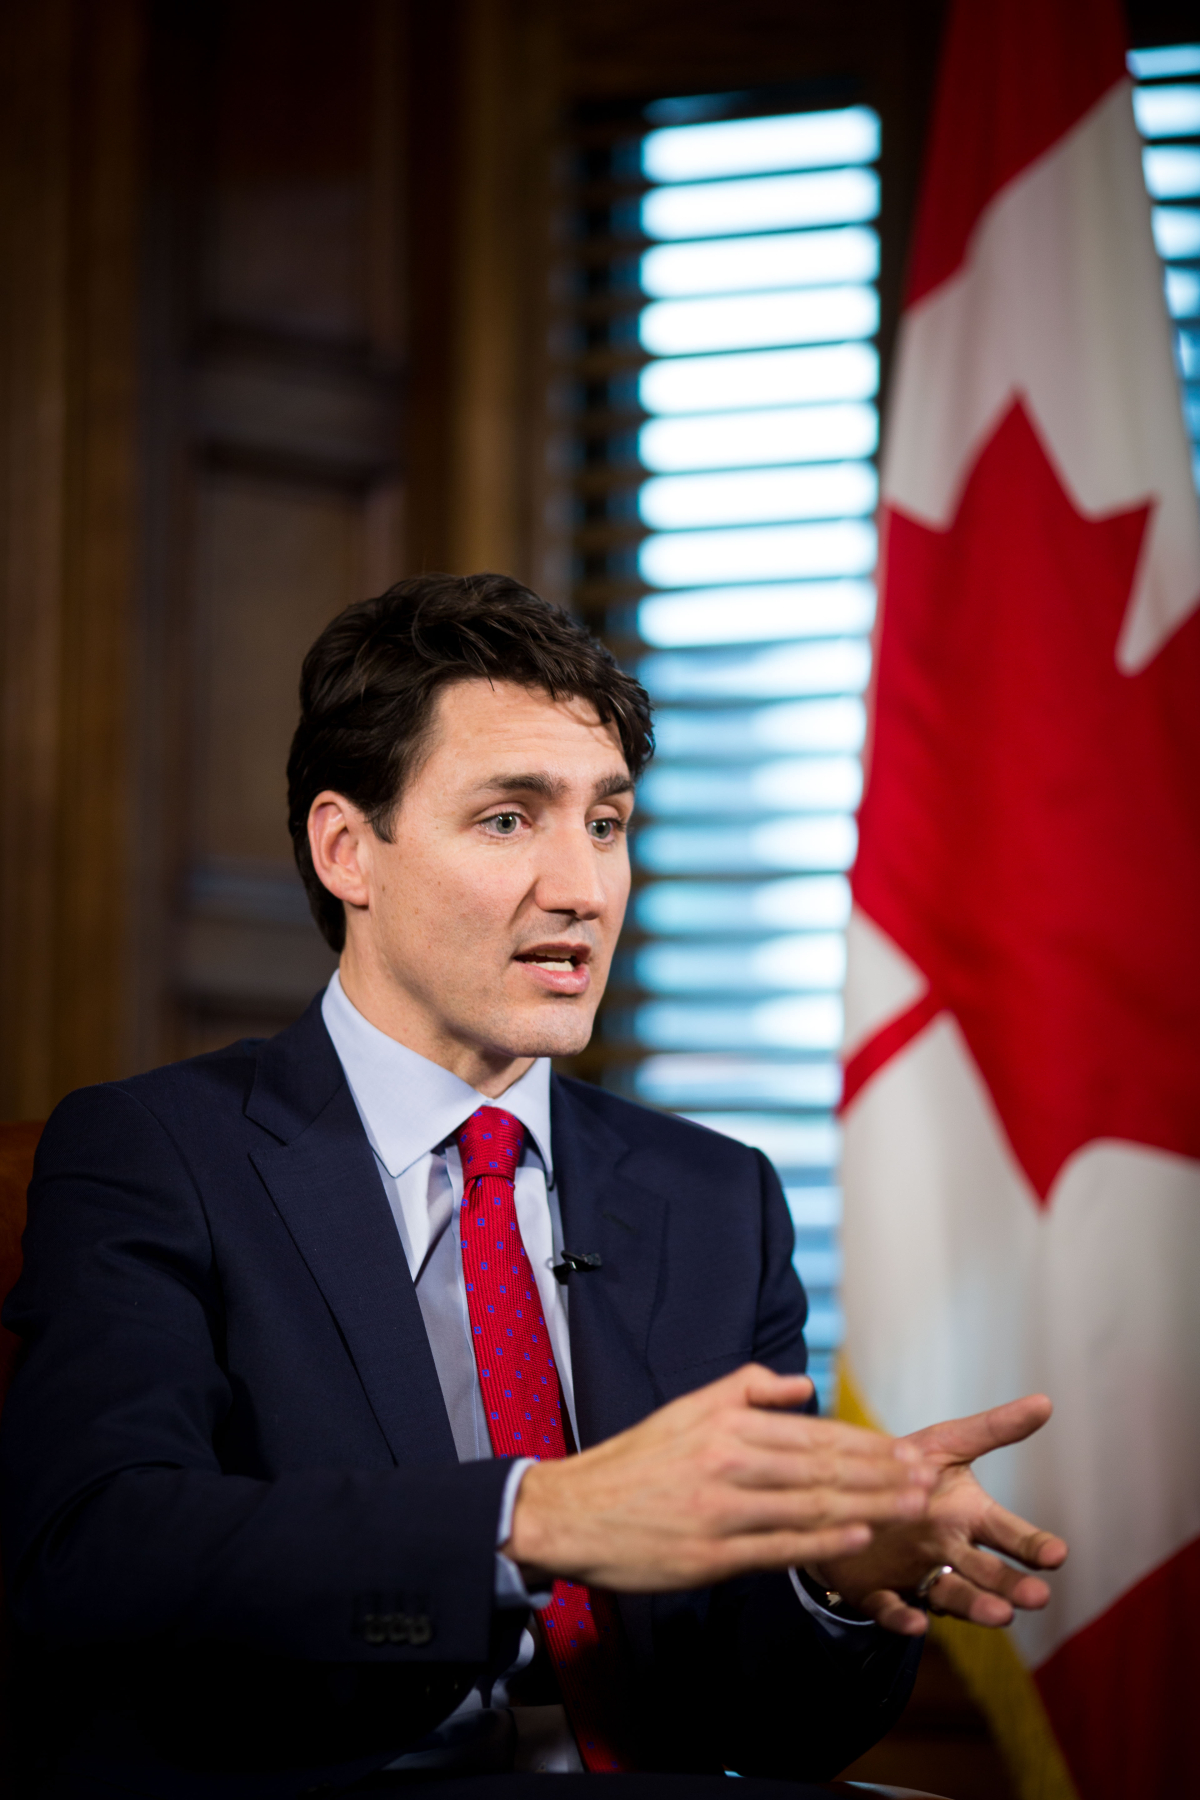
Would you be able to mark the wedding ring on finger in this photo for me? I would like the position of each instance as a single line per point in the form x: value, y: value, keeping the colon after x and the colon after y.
x: 927, y: 1583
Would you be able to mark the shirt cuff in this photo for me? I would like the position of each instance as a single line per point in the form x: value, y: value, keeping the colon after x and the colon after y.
x: 852, y: 1635
x: 510, y: 1589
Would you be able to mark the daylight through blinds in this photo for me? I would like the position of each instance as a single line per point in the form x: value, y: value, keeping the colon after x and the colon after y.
x: 728, y: 313
x: 1166, y: 105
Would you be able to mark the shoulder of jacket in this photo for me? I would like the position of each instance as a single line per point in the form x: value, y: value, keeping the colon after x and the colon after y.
x: 221, y: 1076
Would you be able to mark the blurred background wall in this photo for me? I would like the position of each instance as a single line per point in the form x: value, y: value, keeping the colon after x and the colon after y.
x: 278, y: 328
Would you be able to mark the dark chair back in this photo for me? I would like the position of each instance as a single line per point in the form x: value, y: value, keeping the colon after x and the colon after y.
x: 18, y: 1142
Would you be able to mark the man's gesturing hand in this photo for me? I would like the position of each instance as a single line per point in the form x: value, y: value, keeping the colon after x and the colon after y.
x: 726, y: 1480
x: 961, y: 1519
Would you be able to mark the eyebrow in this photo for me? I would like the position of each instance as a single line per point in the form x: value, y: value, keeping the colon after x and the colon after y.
x: 551, y: 789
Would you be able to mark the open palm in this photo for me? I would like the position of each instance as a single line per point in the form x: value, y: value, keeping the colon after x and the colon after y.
x: 962, y: 1526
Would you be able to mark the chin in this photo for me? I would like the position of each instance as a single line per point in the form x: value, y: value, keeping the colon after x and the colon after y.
x: 550, y: 1033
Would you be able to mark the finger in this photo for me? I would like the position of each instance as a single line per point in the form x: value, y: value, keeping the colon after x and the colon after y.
x: 1024, y: 1591
x: 893, y: 1612
x: 738, y: 1511
x: 705, y: 1563
x: 960, y: 1598
x: 707, y: 1405
x: 751, y: 1385
x: 752, y: 1466
x: 803, y: 1433
x: 791, y: 1549
x: 1003, y: 1530
x: 759, y: 1386
x: 962, y: 1440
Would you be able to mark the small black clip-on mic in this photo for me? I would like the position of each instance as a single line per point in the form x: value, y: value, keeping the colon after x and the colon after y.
x: 575, y: 1263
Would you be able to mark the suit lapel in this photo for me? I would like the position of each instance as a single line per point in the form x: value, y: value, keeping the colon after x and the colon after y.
x: 322, y: 1177
x: 610, y: 1307
x: 325, y: 1184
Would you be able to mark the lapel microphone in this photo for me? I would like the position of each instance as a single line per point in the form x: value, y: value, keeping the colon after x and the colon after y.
x: 575, y: 1263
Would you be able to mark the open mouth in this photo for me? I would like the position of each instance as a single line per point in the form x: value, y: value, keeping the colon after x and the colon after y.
x: 558, y: 968
x: 560, y: 960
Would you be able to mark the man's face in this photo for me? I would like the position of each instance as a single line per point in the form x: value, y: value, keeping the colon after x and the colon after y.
x: 491, y: 918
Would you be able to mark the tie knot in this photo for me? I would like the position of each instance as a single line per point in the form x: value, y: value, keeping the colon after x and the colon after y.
x: 490, y: 1143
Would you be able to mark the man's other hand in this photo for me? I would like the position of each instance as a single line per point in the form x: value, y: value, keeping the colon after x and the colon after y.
x: 727, y: 1480
x: 962, y: 1526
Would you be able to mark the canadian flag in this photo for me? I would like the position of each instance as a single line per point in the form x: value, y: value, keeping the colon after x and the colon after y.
x: 1022, y: 1110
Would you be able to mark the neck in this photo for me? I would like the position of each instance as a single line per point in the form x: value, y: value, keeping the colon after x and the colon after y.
x: 489, y: 1072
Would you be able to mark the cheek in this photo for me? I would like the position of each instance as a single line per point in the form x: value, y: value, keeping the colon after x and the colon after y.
x: 620, y: 878
x: 477, y: 897
x: 617, y: 882
x: 426, y: 908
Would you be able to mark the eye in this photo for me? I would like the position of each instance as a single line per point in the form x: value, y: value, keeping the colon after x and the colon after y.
x: 605, y: 830
x: 505, y: 824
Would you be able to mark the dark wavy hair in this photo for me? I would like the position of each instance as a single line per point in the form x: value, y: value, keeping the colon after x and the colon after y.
x: 369, y: 683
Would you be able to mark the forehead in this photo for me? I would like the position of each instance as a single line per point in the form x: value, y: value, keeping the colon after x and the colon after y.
x: 478, y: 727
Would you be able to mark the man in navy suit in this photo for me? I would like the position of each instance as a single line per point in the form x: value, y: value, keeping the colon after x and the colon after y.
x: 278, y: 1514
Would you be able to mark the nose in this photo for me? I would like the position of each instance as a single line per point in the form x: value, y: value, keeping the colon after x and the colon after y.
x: 571, y: 875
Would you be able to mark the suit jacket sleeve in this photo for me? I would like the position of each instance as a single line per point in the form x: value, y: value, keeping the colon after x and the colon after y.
x: 120, y: 1521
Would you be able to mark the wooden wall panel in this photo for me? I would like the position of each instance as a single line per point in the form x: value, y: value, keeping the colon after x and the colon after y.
x: 100, y: 564
x: 285, y: 411
x: 292, y: 198
x: 70, y: 167
x: 509, y: 56
x: 35, y: 162
x: 274, y: 564
x: 484, y: 101
x: 238, y: 233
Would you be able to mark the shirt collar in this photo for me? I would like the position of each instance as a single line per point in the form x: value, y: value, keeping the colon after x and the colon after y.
x: 409, y: 1105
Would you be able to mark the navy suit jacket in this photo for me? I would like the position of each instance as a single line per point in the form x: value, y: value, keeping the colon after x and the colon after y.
x: 236, y: 1531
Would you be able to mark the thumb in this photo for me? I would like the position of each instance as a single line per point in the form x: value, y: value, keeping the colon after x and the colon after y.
x: 889, y: 1609
x: 763, y: 1387
x: 962, y: 1440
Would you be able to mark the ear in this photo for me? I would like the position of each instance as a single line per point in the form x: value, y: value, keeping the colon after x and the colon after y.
x: 340, y: 838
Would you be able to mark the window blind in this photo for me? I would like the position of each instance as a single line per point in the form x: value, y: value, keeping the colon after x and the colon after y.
x: 727, y: 317
x: 1166, y: 105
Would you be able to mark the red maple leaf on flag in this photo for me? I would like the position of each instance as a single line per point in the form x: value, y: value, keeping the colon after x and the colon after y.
x: 1031, y: 829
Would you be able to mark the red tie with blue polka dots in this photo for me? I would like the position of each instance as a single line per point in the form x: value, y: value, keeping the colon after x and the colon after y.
x: 523, y: 1403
